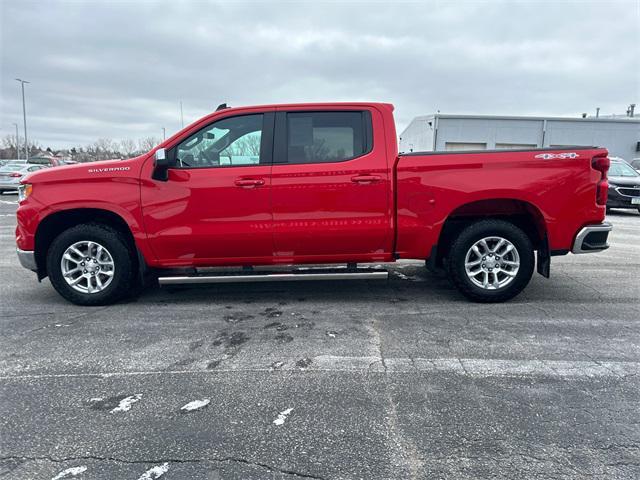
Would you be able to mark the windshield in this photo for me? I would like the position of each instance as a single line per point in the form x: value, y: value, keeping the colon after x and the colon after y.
x: 618, y: 169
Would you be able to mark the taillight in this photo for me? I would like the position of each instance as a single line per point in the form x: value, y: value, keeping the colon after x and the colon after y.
x: 602, y: 192
x: 15, y: 175
x: 601, y: 164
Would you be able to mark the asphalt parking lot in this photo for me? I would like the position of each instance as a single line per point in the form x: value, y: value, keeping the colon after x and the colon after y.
x: 351, y: 380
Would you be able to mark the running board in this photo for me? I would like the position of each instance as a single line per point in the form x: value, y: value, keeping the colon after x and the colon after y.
x: 275, y: 277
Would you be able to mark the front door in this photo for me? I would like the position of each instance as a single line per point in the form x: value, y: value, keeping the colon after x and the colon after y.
x: 214, y: 208
x: 330, y: 187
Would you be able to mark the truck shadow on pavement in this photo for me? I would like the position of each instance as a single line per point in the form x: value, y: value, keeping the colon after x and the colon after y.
x: 407, y: 285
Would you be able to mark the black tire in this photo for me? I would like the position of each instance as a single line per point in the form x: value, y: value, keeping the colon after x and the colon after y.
x: 114, y: 242
x: 472, y: 234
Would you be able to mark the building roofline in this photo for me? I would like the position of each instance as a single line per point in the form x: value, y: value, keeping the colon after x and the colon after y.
x: 521, y: 117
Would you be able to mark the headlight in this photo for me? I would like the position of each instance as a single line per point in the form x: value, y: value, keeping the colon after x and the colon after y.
x: 24, y: 190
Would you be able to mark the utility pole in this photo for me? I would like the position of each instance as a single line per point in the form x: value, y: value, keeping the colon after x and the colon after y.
x: 164, y: 134
x: 17, y: 142
x: 24, y: 117
x: 181, y: 115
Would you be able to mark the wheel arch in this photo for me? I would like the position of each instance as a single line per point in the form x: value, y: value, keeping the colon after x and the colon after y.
x: 56, y: 222
x: 521, y: 213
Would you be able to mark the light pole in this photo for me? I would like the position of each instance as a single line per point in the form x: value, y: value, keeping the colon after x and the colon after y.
x: 181, y: 115
x: 17, y: 142
x: 164, y: 134
x: 24, y: 117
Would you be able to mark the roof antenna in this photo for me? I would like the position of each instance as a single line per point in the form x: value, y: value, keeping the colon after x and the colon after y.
x: 222, y: 106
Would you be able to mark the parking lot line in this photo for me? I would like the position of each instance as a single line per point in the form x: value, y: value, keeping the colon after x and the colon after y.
x: 471, y: 367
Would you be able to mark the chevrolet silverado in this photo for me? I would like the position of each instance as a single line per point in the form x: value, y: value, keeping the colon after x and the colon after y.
x: 301, y: 184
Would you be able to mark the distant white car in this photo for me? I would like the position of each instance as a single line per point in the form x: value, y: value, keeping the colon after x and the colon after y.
x: 12, y: 173
x: 5, y: 161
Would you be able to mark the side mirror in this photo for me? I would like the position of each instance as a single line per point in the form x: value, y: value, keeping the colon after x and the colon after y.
x: 161, y: 165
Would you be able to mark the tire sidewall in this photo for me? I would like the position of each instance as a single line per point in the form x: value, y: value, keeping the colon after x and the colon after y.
x: 109, y: 239
x: 483, y: 229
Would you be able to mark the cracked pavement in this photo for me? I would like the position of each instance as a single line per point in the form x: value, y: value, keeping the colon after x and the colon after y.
x: 385, y: 380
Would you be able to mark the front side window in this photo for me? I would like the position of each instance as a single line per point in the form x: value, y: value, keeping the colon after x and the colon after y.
x: 233, y: 141
x: 318, y: 137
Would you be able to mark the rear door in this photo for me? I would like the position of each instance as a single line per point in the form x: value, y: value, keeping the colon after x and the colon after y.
x: 330, y: 186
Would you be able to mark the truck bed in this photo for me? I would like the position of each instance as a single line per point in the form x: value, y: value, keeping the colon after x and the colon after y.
x: 555, y: 186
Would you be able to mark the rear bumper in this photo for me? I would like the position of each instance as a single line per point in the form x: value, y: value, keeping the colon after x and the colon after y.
x: 27, y: 259
x: 592, y: 238
x: 9, y: 186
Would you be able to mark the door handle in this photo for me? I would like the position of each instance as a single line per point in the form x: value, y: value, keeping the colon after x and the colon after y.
x: 366, y: 178
x: 249, y: 182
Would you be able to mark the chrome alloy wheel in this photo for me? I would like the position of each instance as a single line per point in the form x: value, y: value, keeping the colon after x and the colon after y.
x: 492, y: 263
x: 87, y: 267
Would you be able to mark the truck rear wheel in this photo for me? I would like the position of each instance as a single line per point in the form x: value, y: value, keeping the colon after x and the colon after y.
x: 90, y: 264
x: 491, y: 261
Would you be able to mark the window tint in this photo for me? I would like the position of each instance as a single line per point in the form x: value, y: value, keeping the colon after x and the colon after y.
x: 228, y: 142
x: 316, y: 137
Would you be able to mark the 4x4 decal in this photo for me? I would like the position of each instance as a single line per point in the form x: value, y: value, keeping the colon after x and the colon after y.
x: 549, y: 156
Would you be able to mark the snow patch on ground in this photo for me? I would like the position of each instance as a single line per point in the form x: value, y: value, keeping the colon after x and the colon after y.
x: 155, y: 472
x: 126, y: 403
x: 195, y: 405
x: 282, y: 416
x: 70, y: 472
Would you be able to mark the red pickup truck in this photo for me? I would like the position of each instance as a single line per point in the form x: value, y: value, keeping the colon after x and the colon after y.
x: 308, y: 184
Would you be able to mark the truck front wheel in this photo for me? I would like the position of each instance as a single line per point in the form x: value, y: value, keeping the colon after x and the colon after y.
x: 90, y: 264
x: 491, y: 261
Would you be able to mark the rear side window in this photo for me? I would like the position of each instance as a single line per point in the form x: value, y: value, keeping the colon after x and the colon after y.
x: 321, y: 137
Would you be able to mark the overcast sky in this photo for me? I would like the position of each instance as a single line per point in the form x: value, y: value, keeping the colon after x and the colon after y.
x: 119, y: 69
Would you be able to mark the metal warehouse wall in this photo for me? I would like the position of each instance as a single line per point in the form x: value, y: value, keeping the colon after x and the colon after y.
x: 619, y: 136
x: 418, y: 136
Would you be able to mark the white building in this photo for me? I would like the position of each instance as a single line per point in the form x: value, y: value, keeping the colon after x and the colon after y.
x: 438, y: 132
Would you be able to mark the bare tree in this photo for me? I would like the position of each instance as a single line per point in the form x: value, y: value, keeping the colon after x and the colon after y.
x: 9, y: 150
x: 128, y: 147
x: 246, y: 145
x: 148, y: 143
x: 104, y: 148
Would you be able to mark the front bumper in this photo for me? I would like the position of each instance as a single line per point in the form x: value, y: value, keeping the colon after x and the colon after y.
x: 622, y: 197
x: 592, y: 238
x: 27, y: 259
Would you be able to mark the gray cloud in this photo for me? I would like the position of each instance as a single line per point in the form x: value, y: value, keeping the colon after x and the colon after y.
x: 119, y: 69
